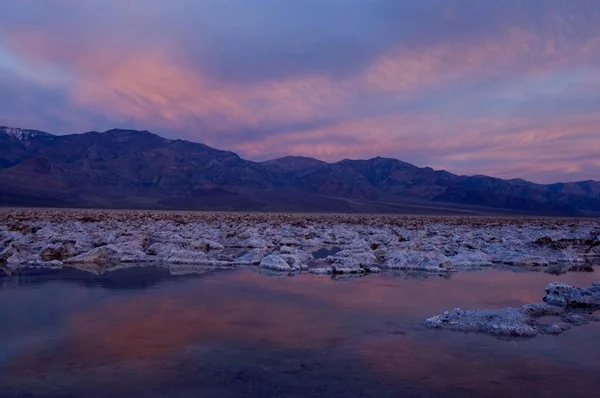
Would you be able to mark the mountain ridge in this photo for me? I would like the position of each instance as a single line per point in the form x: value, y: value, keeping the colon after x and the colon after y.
x: 139, y: 169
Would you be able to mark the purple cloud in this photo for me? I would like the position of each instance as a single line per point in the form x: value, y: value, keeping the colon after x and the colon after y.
x: 503, y: 87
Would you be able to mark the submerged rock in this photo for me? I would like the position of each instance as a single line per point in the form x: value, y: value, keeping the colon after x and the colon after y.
x: 187, y: 268
x: 270, y: 273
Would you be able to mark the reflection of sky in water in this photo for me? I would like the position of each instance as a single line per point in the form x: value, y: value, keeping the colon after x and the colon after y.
x: 143, y: 332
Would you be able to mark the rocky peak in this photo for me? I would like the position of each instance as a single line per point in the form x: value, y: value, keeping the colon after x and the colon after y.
x: 23, y: 134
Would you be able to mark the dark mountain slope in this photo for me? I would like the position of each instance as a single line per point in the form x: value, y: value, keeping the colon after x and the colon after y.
x: 138, y: 169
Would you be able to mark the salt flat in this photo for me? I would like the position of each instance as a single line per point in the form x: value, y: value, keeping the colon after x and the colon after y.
x: 251, y: 304
x: 277, y: 244
x: 99, y: 240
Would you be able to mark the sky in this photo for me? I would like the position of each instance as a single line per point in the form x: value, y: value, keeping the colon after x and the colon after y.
x: 508, y: 88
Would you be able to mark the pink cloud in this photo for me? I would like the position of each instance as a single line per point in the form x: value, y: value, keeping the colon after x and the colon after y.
x: 159, y: 88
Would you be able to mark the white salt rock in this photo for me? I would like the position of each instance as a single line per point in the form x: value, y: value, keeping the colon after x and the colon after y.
x: 99, y: 255
x: 346, y: 265
x: 275, y: 262
x: 188, y: 257
x: 253, y: 257
x: 416, y: 260
x: 470, y: 258
x: 321, y: 271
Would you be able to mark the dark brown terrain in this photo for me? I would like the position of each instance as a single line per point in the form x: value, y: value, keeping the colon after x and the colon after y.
x: 138, y: 169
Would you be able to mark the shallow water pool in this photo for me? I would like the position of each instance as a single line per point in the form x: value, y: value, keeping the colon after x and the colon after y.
x: 144, y: 332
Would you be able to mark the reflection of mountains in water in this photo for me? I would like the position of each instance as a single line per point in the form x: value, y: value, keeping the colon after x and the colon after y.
x: 588, y: 265
x: 132, y: 276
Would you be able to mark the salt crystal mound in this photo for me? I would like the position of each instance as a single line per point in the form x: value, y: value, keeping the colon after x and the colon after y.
x: 421, y: 261
x: 177, y: 253
x: 569, y: 296
x: 297, y: 259
x: 112, y: 253
x: 253, y: 257
x: 275, y: 262
x: 206, y: 245
x: 355, y: 259
x: 513, y: 322
x: 190, y: 257
x: 321, y: 271
x: 561, y: 300
x: 369, y: 242
x: 58, y: 251
x: 347, y: 265
x: 99, y: 255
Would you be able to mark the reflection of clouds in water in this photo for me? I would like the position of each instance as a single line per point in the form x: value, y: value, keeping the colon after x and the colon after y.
x: 239, y: 316
x: 482, y: 365
x: 156, y: 325
x: 384, y: 294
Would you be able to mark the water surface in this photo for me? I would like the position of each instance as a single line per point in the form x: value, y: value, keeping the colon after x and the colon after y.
x: 143, y: 332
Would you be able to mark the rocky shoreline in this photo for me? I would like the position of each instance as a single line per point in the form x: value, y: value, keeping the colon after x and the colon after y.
x: 287, y: 242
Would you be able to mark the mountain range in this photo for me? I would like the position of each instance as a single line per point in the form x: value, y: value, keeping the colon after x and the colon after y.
x: 138, y: 169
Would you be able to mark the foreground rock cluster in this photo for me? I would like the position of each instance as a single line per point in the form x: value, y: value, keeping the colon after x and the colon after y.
x: 285, y: 243
x: 570, y: 305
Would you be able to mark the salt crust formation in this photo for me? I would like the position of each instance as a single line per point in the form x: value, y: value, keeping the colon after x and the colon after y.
x: 282, y: 244
x: 570, y: 305
x: 285, y: 242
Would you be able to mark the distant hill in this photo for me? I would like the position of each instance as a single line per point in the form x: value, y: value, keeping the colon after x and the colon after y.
x: 138, y: 169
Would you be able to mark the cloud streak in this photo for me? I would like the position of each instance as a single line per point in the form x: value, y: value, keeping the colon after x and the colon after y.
x: 509, y: 89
